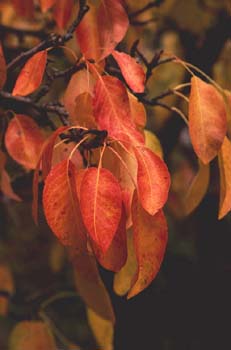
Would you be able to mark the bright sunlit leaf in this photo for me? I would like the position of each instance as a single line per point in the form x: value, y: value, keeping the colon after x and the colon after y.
x: 100, y: 202
x: 132, y: 71
x: 112, y: 110
x: 207, y: 119
x: 61, y: 206
x: 31, y: 75
x: 153, y: 180
x: 102, y: 28
x: 116, y: 255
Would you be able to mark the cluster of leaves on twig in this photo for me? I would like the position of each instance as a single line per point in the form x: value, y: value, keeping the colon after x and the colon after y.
x: 104, y: 188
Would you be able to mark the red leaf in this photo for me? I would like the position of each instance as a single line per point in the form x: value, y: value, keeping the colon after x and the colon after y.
x: 24, y: 8
x: 224, y: 158
x: 47, y: 154
x: 101, y: 29
x: 31, y: 74
x: 44, y: 163
x: 150, y: 239
x: 113, y: 24
x: 100, y: 202
x: 153, y: 180
x: 90, y: 285
x: 62, y: 12
x: 132, y: 71
x: 116, y: 255
x: 2, y: 68
x: 138, y: 111
x: 46, y: 4
x: 24, y: 141
x: 61, y: 205
x: 123, y: 164
x: 207, y: 119
x: 112, y: 110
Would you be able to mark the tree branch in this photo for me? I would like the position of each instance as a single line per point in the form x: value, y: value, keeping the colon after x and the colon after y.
x: 53, y: 40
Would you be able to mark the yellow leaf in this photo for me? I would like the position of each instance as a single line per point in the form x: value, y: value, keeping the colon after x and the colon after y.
x: 102, y: 329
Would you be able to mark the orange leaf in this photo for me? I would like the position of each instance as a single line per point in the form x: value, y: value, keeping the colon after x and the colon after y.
x: 2, y: 68
x: 138, y: 112
x: 224, y: 158
x: 102, y: 28
x: 24, y: 8
x: 112, y: 110
x: 153, y: 180
x: 123, y: 278
x: 87, y: 34
x: 47, y: 153
x: 207, y: 119
x: 84, y: 112
x: 44, y: 162
x: 90, y: 285
x: 24, y: 140
x: 113, y: 24
x: 31, y: 74
x: 62, y: 12
x: 28, y: 335
x: 46, y: 4
x: 61, y: 205
x: 123, y: 164
x: 116, y: 255
x: 131, y: 70
x: 80, y: 83
x: 150, y: 239
x: 100, y: 202
x: 197, y: 189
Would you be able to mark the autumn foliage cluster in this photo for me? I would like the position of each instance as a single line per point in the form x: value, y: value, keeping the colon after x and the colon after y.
x: 105, y: 180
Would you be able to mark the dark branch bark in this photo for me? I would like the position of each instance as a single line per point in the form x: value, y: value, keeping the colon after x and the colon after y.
x: 53, y: 40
